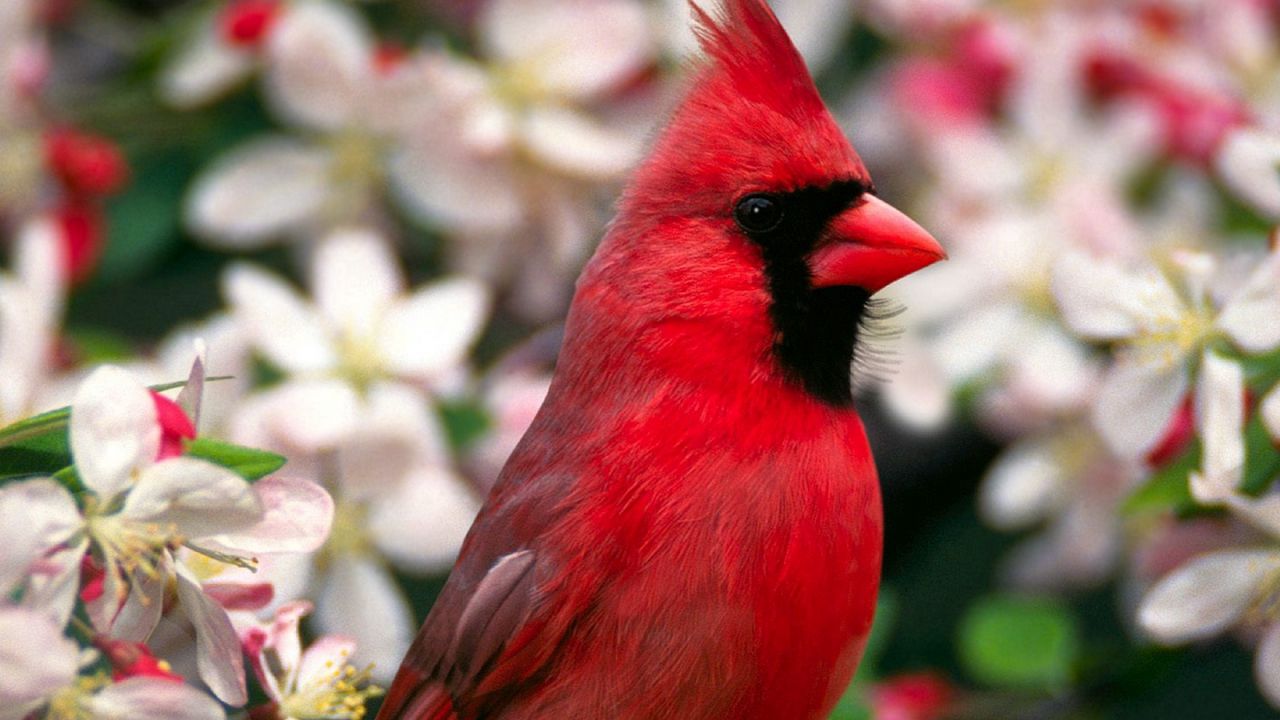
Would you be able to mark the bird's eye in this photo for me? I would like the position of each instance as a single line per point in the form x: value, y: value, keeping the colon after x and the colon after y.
x: 758, y: 213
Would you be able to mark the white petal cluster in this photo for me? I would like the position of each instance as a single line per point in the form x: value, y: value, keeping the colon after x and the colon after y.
x: 1104, y: 191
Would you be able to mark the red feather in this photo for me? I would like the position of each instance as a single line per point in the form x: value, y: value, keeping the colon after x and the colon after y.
x: 688, y: 530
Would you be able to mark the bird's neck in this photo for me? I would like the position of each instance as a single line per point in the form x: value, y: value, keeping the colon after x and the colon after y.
x: 779, y: 355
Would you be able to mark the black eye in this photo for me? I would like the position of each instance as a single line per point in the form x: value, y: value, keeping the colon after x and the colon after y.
x: 758, y: 213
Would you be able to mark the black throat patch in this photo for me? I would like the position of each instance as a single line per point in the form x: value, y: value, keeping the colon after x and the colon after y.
x: 817, y: 328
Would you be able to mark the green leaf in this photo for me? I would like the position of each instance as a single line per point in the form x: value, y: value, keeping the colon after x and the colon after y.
x: 34, y: 427
x: 70, y: 479
x: 881, y: 630
x: 1167, y: 489
x: 1019, y: 642
x: 98, y: 346
x: 39, y: 454
x: 464, y: 422
x: 39, y: 445
x: 851, y: 707
x: 249, y: 463
x: 853, y: 704
x: 1261, y: 458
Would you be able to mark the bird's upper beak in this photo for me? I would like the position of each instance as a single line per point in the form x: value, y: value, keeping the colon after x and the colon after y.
x: 870, y: 245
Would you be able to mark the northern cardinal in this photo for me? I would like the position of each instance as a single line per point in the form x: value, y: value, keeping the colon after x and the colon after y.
x: 691, y: 528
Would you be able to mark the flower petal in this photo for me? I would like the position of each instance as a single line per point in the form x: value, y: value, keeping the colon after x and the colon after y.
x: 297, y: 515
x: 1023, y: 486
x: 1247, y: 161
x: 36, y: 659
x: 1101, y: 300
x: 24, y: 347
x: 918, y: 395
x: 1249, y: 315
x: 281, y: 636
x: 1205, y: 596
x: 354, y: 277
x: 973, y: 343
x: 113, y: 430
x: 278, y: 321
x: 421, y: 524
x: 218, y: 652
x: 1270, y: 411
x: 1220, y: 421
x: 429, y: 332
x: 150, y: 698
x: 140, y: 613
x: 35, y: 516
x: 1266, y: 664
x: 1262, y: 512
x: 578, y: 145
x: 322, y: 658
x: 259, y: 191
x: 198, y: 497
x: 360, y: 598
x: 56, y: 589
x: 309, y: 416
x: 317, y: 60
x: 396, y: 431
x: 1135, y: 403
x: 573, y: 48
x: 457, y: 187
x: 205, y: 68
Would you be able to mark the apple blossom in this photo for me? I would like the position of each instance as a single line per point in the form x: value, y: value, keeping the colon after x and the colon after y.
x: 31, y: 300
x: 139, y: 510
x: 542, y: 118
x: 222, y: 53
x: 321, y: 73
x: 319, y: 683
x: 41, y: 668
x: 1162, y: 319
x: 1217, y: 591
x: 1067, y: 481
x: 357, y: 332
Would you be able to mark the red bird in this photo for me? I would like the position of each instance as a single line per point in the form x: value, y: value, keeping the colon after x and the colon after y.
x: 691, y: 528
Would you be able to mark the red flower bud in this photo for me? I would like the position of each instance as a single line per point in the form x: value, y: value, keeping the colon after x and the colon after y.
x: 85, y: 164
x: 129, y: 659
x: 388, y: 57
x: 1177, y: 436
x: 81, y: 224
x: 918, y: 696
x: 1193, y: 121
x: 246, y: 23
x: 92, y: 577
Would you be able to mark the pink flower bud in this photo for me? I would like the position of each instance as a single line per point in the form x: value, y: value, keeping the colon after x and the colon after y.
x: 175, y: 426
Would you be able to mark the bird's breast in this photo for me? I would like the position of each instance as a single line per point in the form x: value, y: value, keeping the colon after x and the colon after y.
x: 743, y: 556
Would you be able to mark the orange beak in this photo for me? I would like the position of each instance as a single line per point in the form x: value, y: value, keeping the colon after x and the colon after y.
x: 870, y: 245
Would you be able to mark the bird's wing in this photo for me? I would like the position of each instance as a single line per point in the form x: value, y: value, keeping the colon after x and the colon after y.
x: 498, y: 620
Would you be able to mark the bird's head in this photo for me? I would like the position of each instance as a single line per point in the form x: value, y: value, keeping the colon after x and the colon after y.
x: 753, y: 206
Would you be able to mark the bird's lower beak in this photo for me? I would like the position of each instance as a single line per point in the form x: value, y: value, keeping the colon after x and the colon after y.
x: 870, y: 245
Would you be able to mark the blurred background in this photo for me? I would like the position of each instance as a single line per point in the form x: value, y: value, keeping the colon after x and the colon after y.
x: 294, y: 180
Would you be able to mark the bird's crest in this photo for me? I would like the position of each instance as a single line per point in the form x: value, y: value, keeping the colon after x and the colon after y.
x: 752, y: 118
x: 749, y: 48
